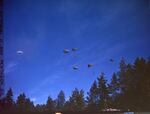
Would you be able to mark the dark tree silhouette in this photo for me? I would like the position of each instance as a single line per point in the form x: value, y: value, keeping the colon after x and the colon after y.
x: 21, y: 102
x: 60, y: 101
x: 93, y: 98
x: 67, y: 106
x: 122, y: 75
x: 142, y: 82
x: 114, y: 91
x: 76, y: 101
x: 29, y: 105
x: 50, y: 104
x: 9, y: 103
x: 103, y: 92
x: 123, y: 84
x: 40, y: 107
x: 134, y: 83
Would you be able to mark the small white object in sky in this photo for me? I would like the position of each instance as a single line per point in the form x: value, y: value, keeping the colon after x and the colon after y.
x: 19, y: 52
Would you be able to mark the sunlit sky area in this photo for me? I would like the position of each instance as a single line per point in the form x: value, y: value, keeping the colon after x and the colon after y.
x: 37, y: 31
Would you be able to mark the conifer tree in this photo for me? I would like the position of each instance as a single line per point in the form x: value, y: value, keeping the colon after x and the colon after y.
x: 60, y: 100
x: 9, y: 103
x: 50, y: 104
x: 93, y: 98
x: 21, y: 102
x: 122, y: 75
x: 114, y: 91
x: 103, y: 92
x: 29, y: 105
x: 76, y: 101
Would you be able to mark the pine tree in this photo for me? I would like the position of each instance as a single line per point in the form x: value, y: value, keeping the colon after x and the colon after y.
x: 50, y: 104
x: 81, y: 100
x: 21, y: 102
x: 9, y: 100
x: 134, y: 85
x: 76, y: 101
x: 60, y: 100
x: 123, y: 85
x: 114, y: 91
x: 103, y: 92
x: 93, y: 98
x: 29, y: 104
x: 67, y: 106
x: 40, y: 107
x: 142, y: 84
x: 122, y: 75
x: 147, y: 84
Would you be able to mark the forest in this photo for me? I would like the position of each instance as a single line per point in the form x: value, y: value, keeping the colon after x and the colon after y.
x: 128, y: 90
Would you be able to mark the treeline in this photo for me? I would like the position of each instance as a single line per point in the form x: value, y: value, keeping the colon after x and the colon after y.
x: 129, y: 89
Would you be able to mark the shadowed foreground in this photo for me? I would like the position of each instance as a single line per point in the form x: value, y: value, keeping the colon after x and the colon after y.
x: 70, y: 112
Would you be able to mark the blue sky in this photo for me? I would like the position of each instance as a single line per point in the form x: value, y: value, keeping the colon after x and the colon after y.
x: 100, y: 29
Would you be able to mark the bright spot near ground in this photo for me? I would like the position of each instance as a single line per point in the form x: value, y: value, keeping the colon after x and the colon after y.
x: 58, y: 113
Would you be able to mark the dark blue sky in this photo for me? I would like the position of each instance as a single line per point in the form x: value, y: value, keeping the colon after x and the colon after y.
x: 101, y: 29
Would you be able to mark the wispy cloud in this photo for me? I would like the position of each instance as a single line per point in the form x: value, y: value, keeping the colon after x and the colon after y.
x: 10, y: 67
x: 50, y: 80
